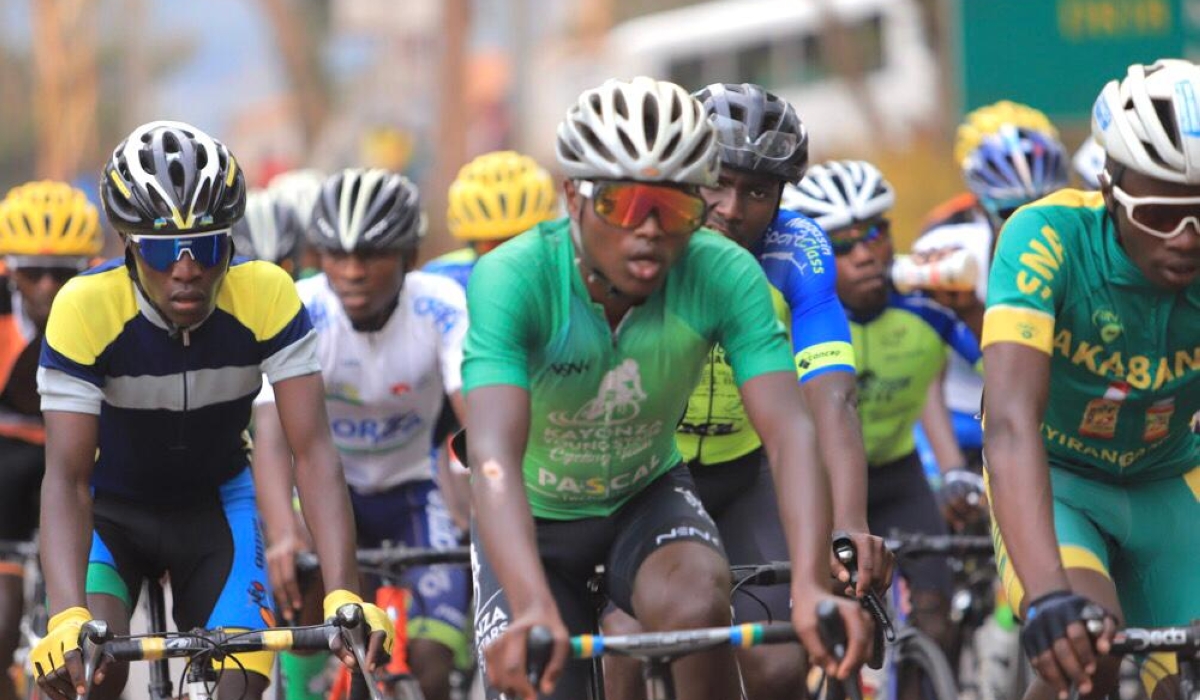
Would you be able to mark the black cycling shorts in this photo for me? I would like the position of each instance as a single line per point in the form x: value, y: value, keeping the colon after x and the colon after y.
x: 665, y: 512
x: 899, y: 498
x: 21, y: 467
x: 740, y: 496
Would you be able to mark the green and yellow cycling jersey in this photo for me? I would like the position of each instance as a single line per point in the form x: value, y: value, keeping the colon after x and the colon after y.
x: 798, y: 262
x: 1124, y: 354
x: 604, y: 403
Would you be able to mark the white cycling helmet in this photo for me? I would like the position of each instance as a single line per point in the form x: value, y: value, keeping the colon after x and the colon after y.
x: 840, y: 193
x: 1150, y: 121
x: 269, y: 231
x: 1089, y: 162
x: 300, y: 189
x: 644, y: 129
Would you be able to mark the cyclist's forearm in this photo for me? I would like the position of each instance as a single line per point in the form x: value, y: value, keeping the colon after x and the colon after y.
x: 274, y: 477
x: 505, y: 527
x: 325, y: 502
x: 65, y: 531
x: 1023, y: 505
x: 834, y: 403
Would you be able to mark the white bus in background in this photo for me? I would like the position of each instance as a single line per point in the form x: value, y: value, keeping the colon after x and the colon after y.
x: 784, y: 46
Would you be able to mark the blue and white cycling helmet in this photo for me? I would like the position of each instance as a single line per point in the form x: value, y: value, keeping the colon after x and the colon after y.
x: 1014, y: 166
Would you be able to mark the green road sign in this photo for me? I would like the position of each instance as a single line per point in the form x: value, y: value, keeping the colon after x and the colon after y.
x: 1056, y: 54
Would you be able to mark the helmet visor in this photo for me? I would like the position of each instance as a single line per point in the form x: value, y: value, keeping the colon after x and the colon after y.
x: 161, y: 252
x: 770, y: 145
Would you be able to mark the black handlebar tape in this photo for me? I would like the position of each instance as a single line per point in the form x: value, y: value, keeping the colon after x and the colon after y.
x: 539, y: 645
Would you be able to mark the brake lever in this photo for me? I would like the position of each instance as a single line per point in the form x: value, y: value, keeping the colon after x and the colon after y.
x: 92, y: 637
x: 843, y: 548
x: 355, y: 633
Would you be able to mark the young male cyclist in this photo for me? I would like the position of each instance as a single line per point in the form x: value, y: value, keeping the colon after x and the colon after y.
x: 49, y: 232
x: 901, y: 343
x: 493, y: 198
x: 588, y: 335
x: 1091, y: 341
x: 147, y: 375
x: 390, y: 343
x: 763, y: 146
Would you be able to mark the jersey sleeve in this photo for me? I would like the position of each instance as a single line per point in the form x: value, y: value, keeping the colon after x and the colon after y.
x: 452, y: 331
x: 1025, y: 284
x: 497, y: 345
x: 798, y: 261
x: 70, y: 373
x: 953, y: 331
x: 754, y: 340
x: 283, y: 328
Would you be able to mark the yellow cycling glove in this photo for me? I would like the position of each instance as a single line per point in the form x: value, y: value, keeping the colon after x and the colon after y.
x: 377, y: 620
x: 62, y: 636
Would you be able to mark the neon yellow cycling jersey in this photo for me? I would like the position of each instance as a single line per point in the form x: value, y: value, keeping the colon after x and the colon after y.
x: 798, y: 261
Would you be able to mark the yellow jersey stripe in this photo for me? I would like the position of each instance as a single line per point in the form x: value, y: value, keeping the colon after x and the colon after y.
x: 1016, y: 324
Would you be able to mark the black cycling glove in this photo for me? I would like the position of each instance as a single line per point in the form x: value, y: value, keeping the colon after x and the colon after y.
x: 1047, y: 619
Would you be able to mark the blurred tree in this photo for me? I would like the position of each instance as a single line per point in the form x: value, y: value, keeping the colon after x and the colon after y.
x: 65, y: 98
x: 298, y: 26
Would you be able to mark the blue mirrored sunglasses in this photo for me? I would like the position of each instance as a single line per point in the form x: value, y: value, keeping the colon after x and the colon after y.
x: 161, y: 252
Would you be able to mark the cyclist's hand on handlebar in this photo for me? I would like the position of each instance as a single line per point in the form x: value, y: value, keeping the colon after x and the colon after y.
x: 505, y: 657
x: 382, y: 632
x: 875, y: 565
x: 1056, y: 640
x: 57, y: 660
x: 281, y: 568
x: 858, y: 626
x: 962, y: 497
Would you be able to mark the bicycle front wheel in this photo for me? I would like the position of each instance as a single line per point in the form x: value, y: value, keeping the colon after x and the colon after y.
x: 918, y: 653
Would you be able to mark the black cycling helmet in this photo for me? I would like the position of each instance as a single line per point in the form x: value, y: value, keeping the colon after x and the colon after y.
x: 756, y: 130
x: 363, y: 210
x: 171, y: 178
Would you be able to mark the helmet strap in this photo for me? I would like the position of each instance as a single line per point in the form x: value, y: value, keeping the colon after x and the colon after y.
x: 581, y: 259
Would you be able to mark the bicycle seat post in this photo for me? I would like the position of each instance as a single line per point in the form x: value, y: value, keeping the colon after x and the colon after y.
x: 160, y: 687
x: 659, y: 683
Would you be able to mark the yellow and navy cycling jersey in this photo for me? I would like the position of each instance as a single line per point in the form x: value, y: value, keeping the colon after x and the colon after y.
x: 798, y: 261
x: 173, y: 407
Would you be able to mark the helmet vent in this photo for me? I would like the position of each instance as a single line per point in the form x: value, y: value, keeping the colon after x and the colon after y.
x: 619, y: 105
x: 649, y: 121
x: 146, y: 160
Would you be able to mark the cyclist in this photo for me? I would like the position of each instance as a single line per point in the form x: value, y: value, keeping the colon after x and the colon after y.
x: 147, y: 375
x: 493, y: 198
x: 1091, y: 341
x: 763, y: 146
x: 271, y: 230
x: 900, y: 345
x: 591, y: 332
x: 390, y: 343
x: 49, y: 232
x: 1010, y: 155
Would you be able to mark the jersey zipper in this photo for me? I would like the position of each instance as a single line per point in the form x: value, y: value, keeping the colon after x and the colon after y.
x: 182, y: 434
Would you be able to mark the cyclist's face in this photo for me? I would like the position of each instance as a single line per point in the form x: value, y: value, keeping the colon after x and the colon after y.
x: 634, y: 260
x: 862, y: 273
x: 366, y: 283
x: 742, y: 205
x: 186, y: 293
x: 1172, y: 263
x: 38, y: 286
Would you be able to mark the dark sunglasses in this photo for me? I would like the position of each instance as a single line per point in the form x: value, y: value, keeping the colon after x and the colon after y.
x: 628, y: 204
x: 161, y: 252
x: 844, y: 240
x: 60, y: 275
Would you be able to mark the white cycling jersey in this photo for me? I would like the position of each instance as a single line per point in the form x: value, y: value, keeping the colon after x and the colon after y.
x: 384, y: 389
x: 964, y: 386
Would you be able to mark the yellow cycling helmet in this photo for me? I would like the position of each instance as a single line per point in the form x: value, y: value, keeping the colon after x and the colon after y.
x: 987, y: 120
x: 499, y: 195
x: 49, y: 218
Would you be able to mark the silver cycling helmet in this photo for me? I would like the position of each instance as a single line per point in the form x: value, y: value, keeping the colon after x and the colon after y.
x: 840, y: 193
x: 642, y: 129
x: 364, y: 210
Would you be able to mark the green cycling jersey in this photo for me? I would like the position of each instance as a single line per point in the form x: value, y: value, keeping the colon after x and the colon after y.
x: 604, y: 403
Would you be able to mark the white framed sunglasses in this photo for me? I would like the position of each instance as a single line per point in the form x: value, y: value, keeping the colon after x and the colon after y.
x: 1161, y: 217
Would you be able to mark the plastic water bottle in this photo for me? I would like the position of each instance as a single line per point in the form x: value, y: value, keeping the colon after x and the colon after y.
x: 957, y: 272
